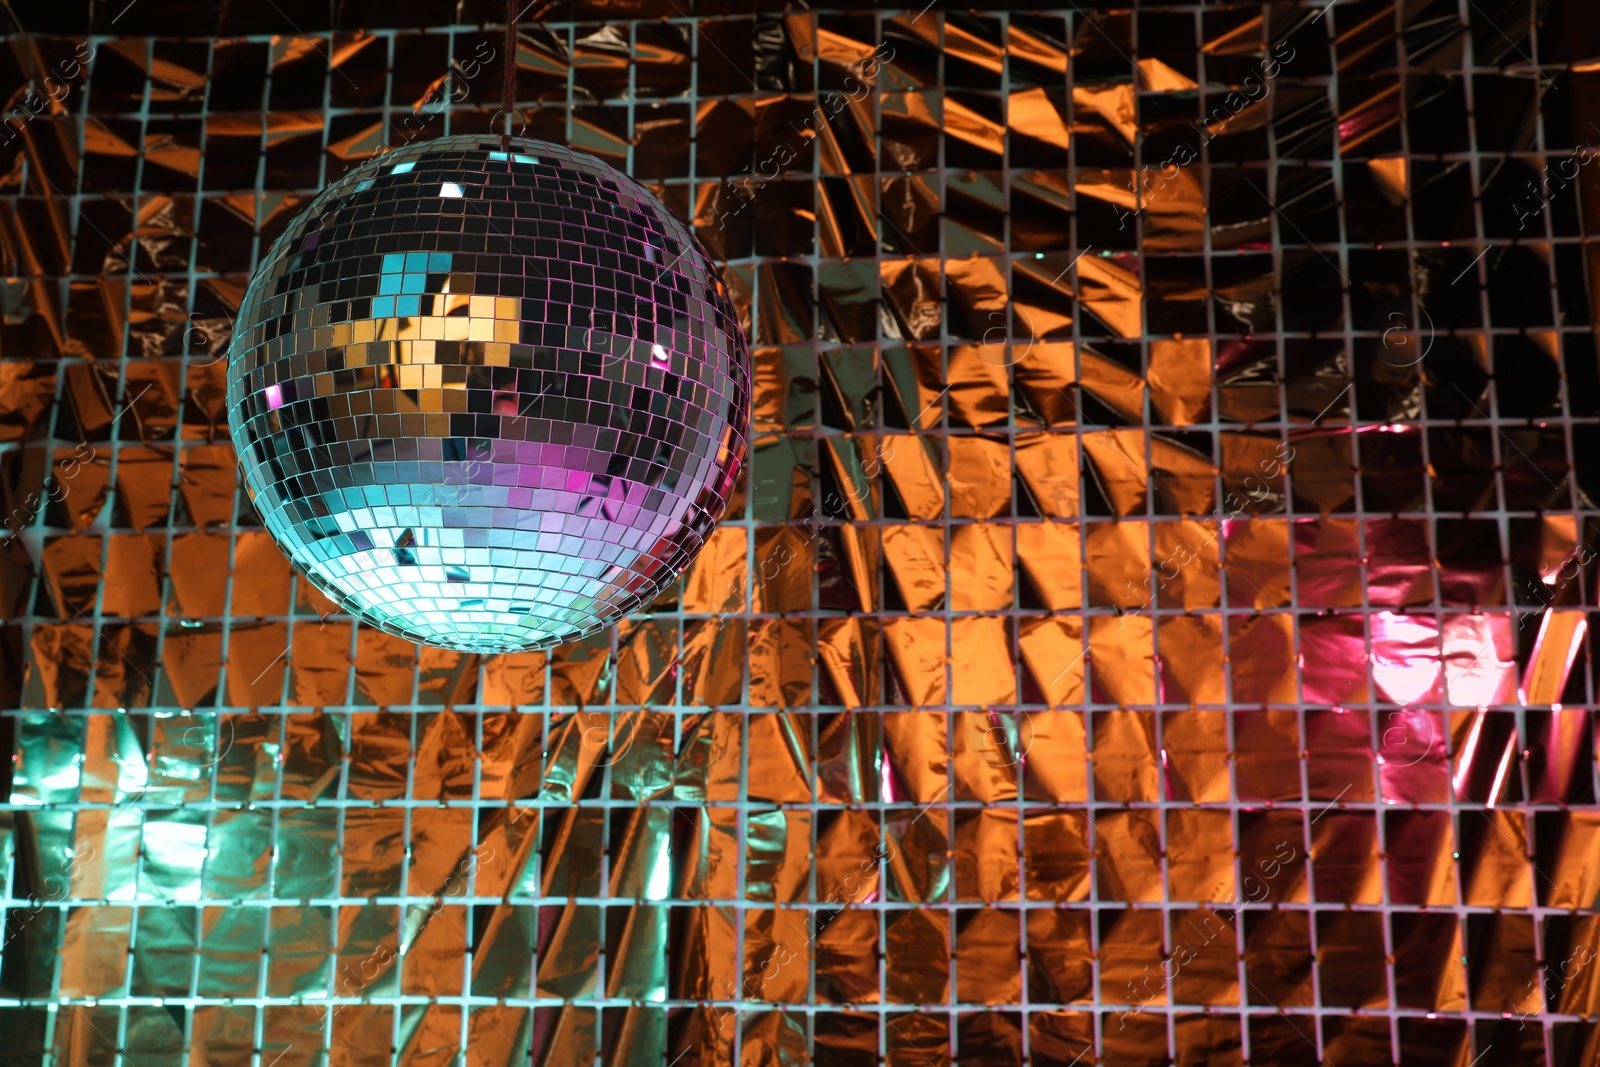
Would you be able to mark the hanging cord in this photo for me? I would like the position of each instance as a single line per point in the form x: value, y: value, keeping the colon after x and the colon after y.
x: 510, y: 96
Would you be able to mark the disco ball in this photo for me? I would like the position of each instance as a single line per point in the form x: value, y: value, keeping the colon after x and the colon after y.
x: 488, y: 400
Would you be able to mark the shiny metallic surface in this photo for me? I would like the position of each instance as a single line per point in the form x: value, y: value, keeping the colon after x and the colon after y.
x: 1153, y: 628
x: 486, y: 399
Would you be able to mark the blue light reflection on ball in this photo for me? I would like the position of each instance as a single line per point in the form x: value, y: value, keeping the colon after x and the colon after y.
x: 489, y: 401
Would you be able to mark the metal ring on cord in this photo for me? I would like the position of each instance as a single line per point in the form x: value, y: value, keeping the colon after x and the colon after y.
x: 506, y: 135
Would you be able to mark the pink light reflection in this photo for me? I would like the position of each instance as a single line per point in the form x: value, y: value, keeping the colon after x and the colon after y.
x: 1468, y: 751
x: 1412, y: 755
x: 1555, y: 650
x: 1479, y: 665
x: 1502, y: 770
x: 274, y: 397
x: 1405, y: 657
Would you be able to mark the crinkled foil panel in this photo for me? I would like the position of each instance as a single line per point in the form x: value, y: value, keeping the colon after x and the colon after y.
x: 1154, y: 627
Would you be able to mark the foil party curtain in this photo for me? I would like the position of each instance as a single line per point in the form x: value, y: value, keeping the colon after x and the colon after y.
x: 1153, y: 629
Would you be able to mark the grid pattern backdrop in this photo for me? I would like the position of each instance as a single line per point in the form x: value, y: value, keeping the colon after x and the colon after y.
x: 1153, y: 627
